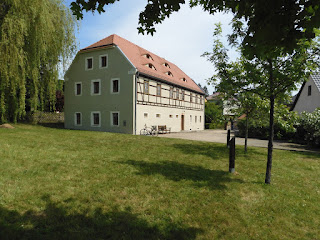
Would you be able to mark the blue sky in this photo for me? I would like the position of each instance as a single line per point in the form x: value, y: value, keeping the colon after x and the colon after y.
x: 181, y: 39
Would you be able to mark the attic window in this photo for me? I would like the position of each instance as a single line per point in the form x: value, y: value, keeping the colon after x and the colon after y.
x: 151, y: 66
x: 169, y: 73
x: 184, y: 79
x: 166, y: 65
x: 148, y: 56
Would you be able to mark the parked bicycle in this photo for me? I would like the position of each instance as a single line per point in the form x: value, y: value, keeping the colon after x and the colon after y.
x: 147, y: 131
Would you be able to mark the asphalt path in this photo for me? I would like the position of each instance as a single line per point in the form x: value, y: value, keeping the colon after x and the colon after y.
x: 220, y: 136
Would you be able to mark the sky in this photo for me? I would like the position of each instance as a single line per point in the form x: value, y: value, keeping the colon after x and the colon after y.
x: 181, y: 39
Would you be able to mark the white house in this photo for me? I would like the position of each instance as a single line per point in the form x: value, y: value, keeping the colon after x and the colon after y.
x: 116, y: 86
x: 308, y: 97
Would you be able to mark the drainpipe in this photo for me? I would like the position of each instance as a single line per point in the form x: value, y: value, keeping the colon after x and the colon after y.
x: 135, y: 102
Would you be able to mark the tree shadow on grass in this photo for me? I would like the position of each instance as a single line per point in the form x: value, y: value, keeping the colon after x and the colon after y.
x: 215, y: 151
x: 59, y: 125
x: 57, y: 222
x: 201, y: 177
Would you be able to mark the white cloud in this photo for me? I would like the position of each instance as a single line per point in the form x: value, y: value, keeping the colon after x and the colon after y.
x: 181, y: 39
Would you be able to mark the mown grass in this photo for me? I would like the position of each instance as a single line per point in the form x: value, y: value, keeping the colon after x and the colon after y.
x: 64, y: 184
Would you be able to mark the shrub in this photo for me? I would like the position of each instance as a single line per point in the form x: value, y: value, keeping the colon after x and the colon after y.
x: 308, y: 128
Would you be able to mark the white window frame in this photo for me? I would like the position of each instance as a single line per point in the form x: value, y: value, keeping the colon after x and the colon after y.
x: 111, y: 118
x: 92, y: 120
x: 92, y: 87
x: 86, y: 64
x: 100, y: 61
x: 111, y: 87
x: 75, y: 119
x: 75, y: 89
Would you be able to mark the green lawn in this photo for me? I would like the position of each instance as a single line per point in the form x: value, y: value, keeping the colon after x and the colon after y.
x: 64, y: 184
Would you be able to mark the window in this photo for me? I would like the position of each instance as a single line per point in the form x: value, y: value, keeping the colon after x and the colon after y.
x: 77, y: 119
x: 201, y: 99
x: 177, y: 116
x: 89, y: 63
x: 146, y: 87
x: 103, y: 61
x: 95, y: 119
x: 182, y: 95
x: 190, y: 118
x: 196, y: 99
x: 177, y: 93
x: 169, y: 74
x: 171, y: 92
x: 115, y: 119
x: 148, y: 56
x: 95, y: 87
x: 166, y: 65
x: 145, y: 115
x: 191, y: 97
x: 195, y: 119
x: 115, y: 85
x: 151, y: 66
x: 78, y: 89
x: 170, y: 116
x: 158, y: 89
x: 184, y: 79
x: 200, y: 118
x: 158, y: 115
x: 309, y: 90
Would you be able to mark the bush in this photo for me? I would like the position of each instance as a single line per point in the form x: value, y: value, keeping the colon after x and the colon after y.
x: 308, y: 128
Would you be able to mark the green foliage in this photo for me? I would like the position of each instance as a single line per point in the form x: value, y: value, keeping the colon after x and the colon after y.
x: 34, y: 36
x: 308, y: 127
x: 284, y: 123
x: 214, y: 115
x: 263, y: 36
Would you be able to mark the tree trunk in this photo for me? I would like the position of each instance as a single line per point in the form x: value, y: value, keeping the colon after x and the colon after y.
x: 271, y: 127
x: 246, y: 136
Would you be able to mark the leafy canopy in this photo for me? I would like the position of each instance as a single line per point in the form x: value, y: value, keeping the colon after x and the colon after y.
x: 270, y: 24
x: 35, y: 36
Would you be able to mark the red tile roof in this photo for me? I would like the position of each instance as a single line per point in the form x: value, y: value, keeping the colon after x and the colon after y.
x: 137, y: 56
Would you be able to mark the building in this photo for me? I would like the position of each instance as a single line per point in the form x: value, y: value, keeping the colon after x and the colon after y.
x: 308, y: 97
x: 114, y: 85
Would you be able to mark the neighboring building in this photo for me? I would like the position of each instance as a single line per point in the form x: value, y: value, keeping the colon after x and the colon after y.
x: 308, y: 97
x: 114, y: 85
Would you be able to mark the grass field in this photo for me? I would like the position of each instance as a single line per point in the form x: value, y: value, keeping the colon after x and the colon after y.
x: 64, y: 184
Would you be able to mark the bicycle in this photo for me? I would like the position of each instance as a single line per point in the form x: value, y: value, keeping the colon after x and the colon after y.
x: 146, y: 131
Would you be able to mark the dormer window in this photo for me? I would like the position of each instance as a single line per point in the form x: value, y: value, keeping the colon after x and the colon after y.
x: 166, y: 65
x: 169, y: 74
x: 151, y: 66
x: 184, y: 79
x: 148, y: 56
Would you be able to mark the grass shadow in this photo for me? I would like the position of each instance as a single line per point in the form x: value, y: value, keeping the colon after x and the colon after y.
x: 201, y: 177
x: 59, y: 125
x: 56, y: 222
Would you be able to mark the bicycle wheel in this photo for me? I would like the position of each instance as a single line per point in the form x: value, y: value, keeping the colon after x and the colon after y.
x: 143, y: 132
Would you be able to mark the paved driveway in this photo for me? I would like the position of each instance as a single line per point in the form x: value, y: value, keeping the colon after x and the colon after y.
x: 220, y: 136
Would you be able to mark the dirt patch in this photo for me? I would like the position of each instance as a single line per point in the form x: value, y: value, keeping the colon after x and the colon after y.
x: 6, y: 125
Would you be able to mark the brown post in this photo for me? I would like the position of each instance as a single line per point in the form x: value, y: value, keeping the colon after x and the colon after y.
x: 232, y: 154
x: 228, y: 138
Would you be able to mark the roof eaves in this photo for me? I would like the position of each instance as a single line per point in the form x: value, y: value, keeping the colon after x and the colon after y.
x: 298, y: 96
x: 168, y: 82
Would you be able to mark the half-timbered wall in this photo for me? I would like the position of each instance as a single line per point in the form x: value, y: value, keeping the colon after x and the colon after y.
x: 159, y: 103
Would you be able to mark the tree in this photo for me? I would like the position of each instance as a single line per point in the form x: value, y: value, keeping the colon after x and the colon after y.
x: 35, y: 36
x: 273, y: 23
x: 214, y: 115
x: 272, y: 76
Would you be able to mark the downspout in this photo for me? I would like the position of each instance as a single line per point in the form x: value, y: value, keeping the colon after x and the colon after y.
x: 135, y: 102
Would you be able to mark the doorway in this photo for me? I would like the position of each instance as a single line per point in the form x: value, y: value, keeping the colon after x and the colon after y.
x: 182, y: 122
